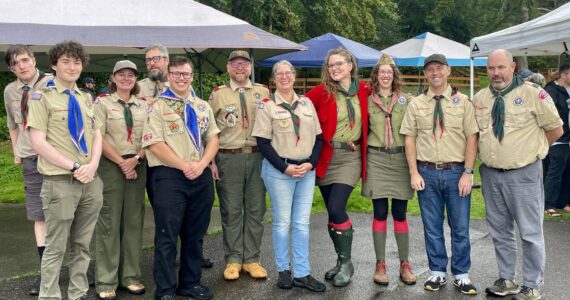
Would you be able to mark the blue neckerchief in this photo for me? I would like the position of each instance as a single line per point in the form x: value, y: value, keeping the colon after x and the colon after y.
x: 75, y: 123
x: 190, y: 117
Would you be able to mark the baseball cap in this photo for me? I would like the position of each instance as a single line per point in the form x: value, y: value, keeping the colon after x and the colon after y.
x: 239, y: 53
x: 526, y: 73
x: 88, y: 80
x: 440, y: 58
x: 125, y: 64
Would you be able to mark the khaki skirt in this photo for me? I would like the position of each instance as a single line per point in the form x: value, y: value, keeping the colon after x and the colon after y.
x: 387, y: 176
x: 344, y: 168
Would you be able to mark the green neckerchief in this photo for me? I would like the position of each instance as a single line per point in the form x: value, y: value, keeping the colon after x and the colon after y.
x: 498, y: 112
x: 243, y: 105
x: 291, y: 109
x: 438, y: 116
x: 128, y: 117
x: 352, y: 90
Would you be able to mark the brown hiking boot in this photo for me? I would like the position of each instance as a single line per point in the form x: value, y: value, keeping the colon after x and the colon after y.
x: 406, y: 274
x: 380, y: 276
x: 232, y: 271
x: 255, y: 270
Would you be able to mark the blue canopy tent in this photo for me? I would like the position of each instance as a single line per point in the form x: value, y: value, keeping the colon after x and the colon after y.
x: 318, y: 48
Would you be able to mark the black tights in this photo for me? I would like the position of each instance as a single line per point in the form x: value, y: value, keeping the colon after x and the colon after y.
x: 336, y: 196
x: 399, y: 208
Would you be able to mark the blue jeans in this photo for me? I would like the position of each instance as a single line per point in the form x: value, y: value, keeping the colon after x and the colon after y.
x: 292, y: 200
x: 441, y: 194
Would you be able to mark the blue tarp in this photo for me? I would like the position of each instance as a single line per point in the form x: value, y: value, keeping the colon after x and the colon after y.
x: 318, y: 48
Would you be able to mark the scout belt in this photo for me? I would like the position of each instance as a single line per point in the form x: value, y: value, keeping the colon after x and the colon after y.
x: 252, y: 149
x: 393, y: 150
x: 440, y: 166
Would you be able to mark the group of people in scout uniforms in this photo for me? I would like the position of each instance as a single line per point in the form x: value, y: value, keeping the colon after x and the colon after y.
x: 157, y: 132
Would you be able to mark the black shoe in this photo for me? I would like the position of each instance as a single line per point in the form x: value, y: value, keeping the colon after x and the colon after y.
x: 310, y: 283
x: 465, y: 286
x: 196, y: 291
x: 207, y: 263
x: 90, y: 277
x: 285, y: 280
x: 34, y: 289
x: 166, y: 297
x: 434, y: 283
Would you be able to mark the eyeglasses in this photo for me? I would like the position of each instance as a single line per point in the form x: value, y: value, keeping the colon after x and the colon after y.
x: 284, y: 74
x: 386, y: 72
x: 186, y: 75
x: 236, y: 64
x: 337, y: 64
x: 153, y: 59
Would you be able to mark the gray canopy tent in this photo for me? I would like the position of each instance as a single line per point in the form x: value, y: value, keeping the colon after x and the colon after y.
x: 112, y: 30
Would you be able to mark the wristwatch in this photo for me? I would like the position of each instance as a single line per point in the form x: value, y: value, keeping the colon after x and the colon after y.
x: 139, y: 159
x: 468, y: 170
x: 76, y: 166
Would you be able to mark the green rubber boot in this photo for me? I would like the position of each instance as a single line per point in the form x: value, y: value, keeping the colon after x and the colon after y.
x: 344, y: 240
x: 330, y: 274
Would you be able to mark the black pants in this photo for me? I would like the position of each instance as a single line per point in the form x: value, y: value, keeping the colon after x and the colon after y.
x: 554, y: 179
x: 182, y: 209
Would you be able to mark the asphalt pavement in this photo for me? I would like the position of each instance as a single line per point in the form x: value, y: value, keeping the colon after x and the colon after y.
x: 19, y: 264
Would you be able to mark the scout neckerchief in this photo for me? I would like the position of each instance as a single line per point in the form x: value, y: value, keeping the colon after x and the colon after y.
x: 242, y: 102
x: 291, y: 109
x: 498, y: 112
x: 75, y: 123
x: 189, y: 115
x: 438, y: 115
x: 157, y: 89
x: 388, y: 135
x: 128, y: 117
x: 25, y: 97
x: 352, y: 90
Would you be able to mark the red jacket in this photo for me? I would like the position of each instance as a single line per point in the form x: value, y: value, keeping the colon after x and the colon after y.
x: 325, y: 105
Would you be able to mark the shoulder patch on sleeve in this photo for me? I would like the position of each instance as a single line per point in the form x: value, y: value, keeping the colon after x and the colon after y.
x: 37, y: 96
x: 543, y: 94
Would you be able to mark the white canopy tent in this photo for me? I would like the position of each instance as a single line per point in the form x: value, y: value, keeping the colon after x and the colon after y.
x: 548, y: 34
x: 412, y: 52
x: 112, y: 30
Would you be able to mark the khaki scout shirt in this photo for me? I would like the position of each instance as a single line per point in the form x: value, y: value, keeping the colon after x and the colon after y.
x: 529, y: 112
x: 275, y: 123
x: 114, y: 127
x: 227, y: 109
x: 343, y: 131
x: 377, y: 120
x: 48, y: 112
x: 459, y: 122
x: 164, y: 124
x: 12, y: 97
x: 147, y: 88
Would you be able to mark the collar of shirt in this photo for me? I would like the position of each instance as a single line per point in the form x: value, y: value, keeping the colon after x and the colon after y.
x: 279, y: 98
x: 21, y: 84
x: 132, y: 99
x: 60, y: 88
x: 171, y: 95
x: 234, y: 86
x: 446, y: 93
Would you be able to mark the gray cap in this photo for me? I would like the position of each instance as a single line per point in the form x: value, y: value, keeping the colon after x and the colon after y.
x: 440, y: 58
x: 125, y: 64
x: 239, y: 53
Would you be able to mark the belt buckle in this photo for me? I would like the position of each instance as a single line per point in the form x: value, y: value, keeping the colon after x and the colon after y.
x: 437, y: 166
x: 247, y: 150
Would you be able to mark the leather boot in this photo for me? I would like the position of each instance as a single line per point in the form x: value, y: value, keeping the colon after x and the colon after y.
x: 380, y: 275
x: 406, y: 274
x: 330, y: 274
x: 344, y: 240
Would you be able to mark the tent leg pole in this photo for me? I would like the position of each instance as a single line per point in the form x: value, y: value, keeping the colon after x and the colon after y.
x: 471, y: 77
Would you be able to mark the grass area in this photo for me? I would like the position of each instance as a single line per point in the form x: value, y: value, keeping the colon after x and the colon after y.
x: 12, y: 191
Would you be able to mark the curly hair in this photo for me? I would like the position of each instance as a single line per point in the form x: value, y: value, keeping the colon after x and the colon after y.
x: 396, y: 83
x: 330, y: 84
x: 72, y: 49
